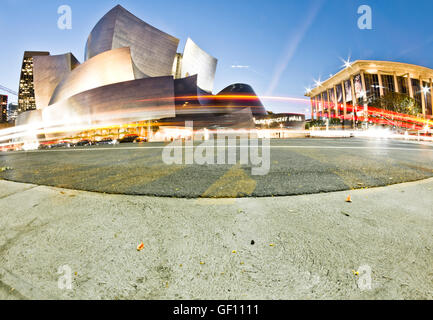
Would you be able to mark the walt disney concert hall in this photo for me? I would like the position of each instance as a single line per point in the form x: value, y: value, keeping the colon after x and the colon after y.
x: 132, y: 73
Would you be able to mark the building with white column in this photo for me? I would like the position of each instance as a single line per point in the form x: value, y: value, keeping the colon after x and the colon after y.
x: 349, y: 93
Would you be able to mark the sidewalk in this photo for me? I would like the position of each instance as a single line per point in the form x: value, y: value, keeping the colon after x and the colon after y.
x: 302, y: 247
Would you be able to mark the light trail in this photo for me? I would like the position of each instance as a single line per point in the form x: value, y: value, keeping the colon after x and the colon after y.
x: 233, y: 147
x: 110, y: 120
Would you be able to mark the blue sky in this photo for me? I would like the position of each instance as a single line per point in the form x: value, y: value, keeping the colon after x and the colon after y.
x: 282, y: 44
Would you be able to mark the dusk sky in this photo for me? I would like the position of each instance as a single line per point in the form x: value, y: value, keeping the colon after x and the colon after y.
x: 278, y: 47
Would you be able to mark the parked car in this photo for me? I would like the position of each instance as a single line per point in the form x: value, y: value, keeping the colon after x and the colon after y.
x: 106, y: 141
x: 44, y: 146
x: 61, y: 144
x: 83, y: 143
x: 129, y: 138
x: 141, y: 139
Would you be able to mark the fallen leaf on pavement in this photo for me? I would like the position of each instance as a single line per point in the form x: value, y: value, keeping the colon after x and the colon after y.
x: 140, y: 246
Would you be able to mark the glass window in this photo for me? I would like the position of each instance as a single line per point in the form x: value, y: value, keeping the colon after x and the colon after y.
x: 388, y: 84
x: 325, y: 100
x: 416, y: 87
x: 402, y: 85
x: 427, y: 98
x: 372, y: 87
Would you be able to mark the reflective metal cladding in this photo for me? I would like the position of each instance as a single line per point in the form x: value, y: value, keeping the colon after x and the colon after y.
x: 152, y: 50
x: 136, y: 100
x: 240, y: 94
x: 196, y: 61
x: 106, y: 68
x: 48, y: 73
x: 128, y: 76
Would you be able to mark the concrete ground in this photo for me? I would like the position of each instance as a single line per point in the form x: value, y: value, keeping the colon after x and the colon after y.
x: 299, y: 247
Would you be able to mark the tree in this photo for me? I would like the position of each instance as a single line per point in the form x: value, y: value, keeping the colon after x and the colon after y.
x: 397, y: 102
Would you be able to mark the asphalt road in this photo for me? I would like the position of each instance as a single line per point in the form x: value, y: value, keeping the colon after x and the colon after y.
x: 297, y: 166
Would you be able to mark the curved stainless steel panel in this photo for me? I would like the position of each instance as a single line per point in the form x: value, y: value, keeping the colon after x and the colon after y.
x: 107, y: 68
x: 48, y: 72
x: 125, y: 102
x: 206, y: 111
x: 197, y: 61
x: 152, y: 50
x: 250, y: 98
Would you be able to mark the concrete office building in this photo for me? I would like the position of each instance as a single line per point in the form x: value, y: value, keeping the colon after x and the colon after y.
x: 3, y: 108
x: 26, y: 93
x: 12, y: 112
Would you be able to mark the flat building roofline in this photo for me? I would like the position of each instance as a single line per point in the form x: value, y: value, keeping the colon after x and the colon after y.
x: 374, y: 66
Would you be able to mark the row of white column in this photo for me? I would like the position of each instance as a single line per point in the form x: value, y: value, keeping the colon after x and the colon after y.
x: 355, y: 98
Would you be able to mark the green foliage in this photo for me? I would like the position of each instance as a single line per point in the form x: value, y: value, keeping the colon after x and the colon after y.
x: 334, y: 122
x: 315, y: 123
x: 397, y: 102
x: 322, y: 123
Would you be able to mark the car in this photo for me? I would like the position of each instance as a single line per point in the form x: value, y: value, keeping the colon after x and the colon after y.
x: 106, y: 141
x: 61, y: 144
x: 83, y: 143
x: 44, y: 146
x: 129, y: 138
x: 141, y: 139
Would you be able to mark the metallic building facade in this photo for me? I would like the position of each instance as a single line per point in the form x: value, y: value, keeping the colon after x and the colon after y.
x: 132, y: 73
x: 49, y: 71
x: 210, y: 111
x: 106, y: 68
x: 241, y: 94
x: 119, y: 103
x: 152, y: 50
x: 196, y: 61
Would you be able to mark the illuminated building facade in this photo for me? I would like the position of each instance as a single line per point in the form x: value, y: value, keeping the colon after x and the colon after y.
x: 280, y: 120
x: 132, y: 74
x: 3, y: 108
x: 12, y: 112
x: 26, y: 93
x: 349, y: 94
